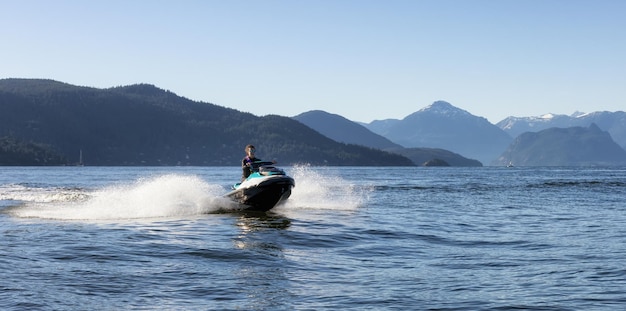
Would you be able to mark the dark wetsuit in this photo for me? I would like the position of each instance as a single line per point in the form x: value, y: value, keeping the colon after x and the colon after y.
x: 247, y: 170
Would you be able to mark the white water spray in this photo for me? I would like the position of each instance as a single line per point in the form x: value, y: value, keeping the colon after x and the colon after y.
x: 324, y: 191
x: 174, y: 195
x: 162, y: 196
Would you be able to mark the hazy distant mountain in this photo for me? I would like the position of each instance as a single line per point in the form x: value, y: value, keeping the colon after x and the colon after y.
x: 612, y: 122
x: 381, y: 126
x: 144, y: 125
x: 343, y: 130
x: 573, y: 146
x: 441, y: 125
x: 346, y: 131
x: 421, y: 156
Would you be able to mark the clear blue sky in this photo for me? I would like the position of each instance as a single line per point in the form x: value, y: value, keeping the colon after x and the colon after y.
x: 365, y: 60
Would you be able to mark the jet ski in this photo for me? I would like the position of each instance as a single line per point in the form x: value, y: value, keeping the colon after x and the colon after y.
x: 266, y: 187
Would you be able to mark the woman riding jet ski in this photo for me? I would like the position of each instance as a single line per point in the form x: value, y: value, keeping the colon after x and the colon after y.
x: 263, y: 185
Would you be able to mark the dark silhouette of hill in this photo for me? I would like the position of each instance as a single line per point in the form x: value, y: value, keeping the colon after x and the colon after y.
x: 144, y: 125
x: 573, y: 146
x: 422, y: 156
x: 343, y: 130
x: 13, y: 152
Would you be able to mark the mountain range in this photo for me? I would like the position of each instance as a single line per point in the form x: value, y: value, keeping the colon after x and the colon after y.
x: 571, y: 146
x: 144, y: 125
x: 343, y: 130
x: 612, y: 122
x: 443, y: 126
x: 47, y: 122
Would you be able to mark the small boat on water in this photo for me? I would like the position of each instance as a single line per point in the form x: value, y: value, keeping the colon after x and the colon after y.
x: 266, y: 187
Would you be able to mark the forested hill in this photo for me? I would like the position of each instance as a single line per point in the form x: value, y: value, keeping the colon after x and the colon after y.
x: 22, y: 153
x: 144, y: 125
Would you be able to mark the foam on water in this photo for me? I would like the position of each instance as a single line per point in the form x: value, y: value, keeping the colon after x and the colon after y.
x: 17, y: 192
x: 161, y: 196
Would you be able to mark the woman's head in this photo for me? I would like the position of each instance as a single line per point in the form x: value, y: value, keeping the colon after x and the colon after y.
x: 250, y: 149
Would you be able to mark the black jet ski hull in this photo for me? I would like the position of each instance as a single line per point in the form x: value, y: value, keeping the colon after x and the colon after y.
x: 265, y: 195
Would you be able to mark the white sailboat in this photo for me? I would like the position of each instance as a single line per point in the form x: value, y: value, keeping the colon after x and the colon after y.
x: 80, y: 158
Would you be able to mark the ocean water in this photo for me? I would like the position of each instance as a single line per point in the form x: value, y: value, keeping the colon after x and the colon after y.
x: 349, y: 238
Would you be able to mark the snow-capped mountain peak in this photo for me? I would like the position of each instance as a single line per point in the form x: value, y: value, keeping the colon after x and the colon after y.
x: 444, y: 108
x: 579, y: 114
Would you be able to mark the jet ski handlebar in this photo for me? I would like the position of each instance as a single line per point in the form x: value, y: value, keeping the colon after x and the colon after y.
x: 255, y: 165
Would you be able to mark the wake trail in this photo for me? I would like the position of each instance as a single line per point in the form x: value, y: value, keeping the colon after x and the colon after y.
x: 172, y: 195
x: 161, y: 196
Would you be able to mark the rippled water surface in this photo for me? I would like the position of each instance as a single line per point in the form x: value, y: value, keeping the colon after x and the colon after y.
x: 127, y: 238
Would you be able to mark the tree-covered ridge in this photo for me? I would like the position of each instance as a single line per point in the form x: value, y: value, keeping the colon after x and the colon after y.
x: 14, y: 152
x: 144, y: 125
